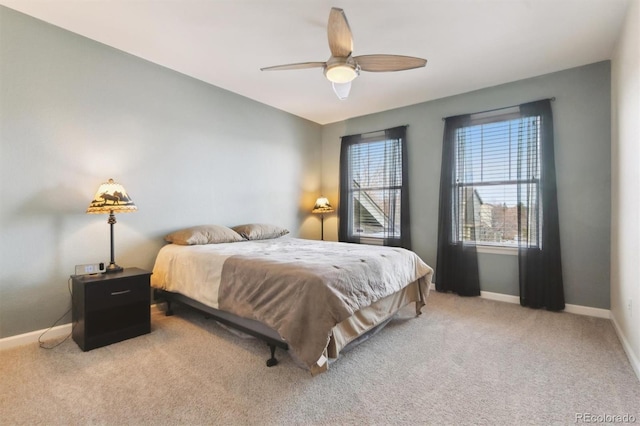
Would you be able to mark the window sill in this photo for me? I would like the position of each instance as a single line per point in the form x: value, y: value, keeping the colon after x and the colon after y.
x: 487, y: 249
x: 372, y: 241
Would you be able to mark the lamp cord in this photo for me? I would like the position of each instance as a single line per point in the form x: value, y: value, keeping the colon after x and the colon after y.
x: 40, y: 342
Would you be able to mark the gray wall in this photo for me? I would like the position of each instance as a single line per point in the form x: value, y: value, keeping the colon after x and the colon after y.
x: 583, y: 144
x: 74, y: 113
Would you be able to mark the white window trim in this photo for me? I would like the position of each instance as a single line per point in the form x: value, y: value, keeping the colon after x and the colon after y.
x: 372, y: 241
x: 495, y: 249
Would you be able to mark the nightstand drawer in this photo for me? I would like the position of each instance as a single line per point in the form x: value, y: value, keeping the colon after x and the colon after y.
x: 116, y: 293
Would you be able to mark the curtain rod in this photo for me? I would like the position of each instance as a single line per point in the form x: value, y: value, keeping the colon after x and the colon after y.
x: 376, y: 131
x: 498, y: 109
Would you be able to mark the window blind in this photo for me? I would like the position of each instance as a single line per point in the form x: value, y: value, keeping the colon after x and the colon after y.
x: 496, y: 181
x: 375, y: 186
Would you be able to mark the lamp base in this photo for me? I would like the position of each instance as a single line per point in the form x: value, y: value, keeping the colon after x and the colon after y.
x: 113, y: 268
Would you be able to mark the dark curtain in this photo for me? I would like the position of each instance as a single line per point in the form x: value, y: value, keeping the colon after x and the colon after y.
x: 399, y: 134
x: 346, y: 196
x: 396, y: 176
x: 539, y: 260
x: 457, y: 262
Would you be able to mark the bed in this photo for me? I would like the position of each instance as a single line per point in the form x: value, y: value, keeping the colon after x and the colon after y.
x: 312, y: 298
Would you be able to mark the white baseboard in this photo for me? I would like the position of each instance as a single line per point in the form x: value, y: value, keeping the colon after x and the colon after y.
x: 500, y: 297
x: 588, y: 311
x: 633, y: 359
x: 32, y: 337
x: 572, y: 309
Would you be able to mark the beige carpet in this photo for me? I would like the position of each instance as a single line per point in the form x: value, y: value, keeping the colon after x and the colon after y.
x: 464, y: 361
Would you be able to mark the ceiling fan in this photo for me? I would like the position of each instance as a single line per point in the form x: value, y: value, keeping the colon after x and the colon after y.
x: 342, y: 68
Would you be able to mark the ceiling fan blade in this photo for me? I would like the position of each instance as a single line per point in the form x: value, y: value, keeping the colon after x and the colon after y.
x: 341, y: 90
x: 382, y: 63
x: 297, y: 66
x: 339, y: 33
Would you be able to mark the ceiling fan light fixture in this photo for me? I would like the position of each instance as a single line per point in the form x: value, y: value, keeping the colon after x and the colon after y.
x: 341, y: 73
x: 342, y: 67
x: 341, y: 90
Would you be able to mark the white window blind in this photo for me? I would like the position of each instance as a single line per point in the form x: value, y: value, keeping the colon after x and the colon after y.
x: 497, y: 177
x: 375, y: 185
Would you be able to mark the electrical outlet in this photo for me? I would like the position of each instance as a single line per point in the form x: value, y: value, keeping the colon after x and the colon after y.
x: 630, y: 307
x: 93, y: 268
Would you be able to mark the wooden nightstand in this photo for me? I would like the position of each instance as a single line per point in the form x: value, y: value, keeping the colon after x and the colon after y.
x: 108, y: 308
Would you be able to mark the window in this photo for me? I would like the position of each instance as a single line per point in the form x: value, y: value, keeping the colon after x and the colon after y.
x: 497, y: 179
x: 373, y: 188
x: 497, y: 191
x: 376, y: 182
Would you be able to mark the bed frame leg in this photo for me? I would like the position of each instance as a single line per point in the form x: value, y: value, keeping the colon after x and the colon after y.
x: 169, y: 311
x: 272, y: 361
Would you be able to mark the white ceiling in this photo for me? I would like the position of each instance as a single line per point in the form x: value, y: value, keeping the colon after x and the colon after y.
x: 469, y: 44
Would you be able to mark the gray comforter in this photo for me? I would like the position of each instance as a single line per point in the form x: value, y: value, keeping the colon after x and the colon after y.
x: 303, y: 288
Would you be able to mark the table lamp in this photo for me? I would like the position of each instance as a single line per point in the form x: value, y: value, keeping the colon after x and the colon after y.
x: 322, y: 206
x: 111, y: 198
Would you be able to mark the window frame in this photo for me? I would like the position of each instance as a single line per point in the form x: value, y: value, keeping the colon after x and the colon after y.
x: 372, y: 138
x: 382, y: 208
x: 503, y: 115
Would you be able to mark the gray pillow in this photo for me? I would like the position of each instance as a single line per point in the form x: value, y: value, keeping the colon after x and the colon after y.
x: 260, y: 231
x: 203, y: 234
